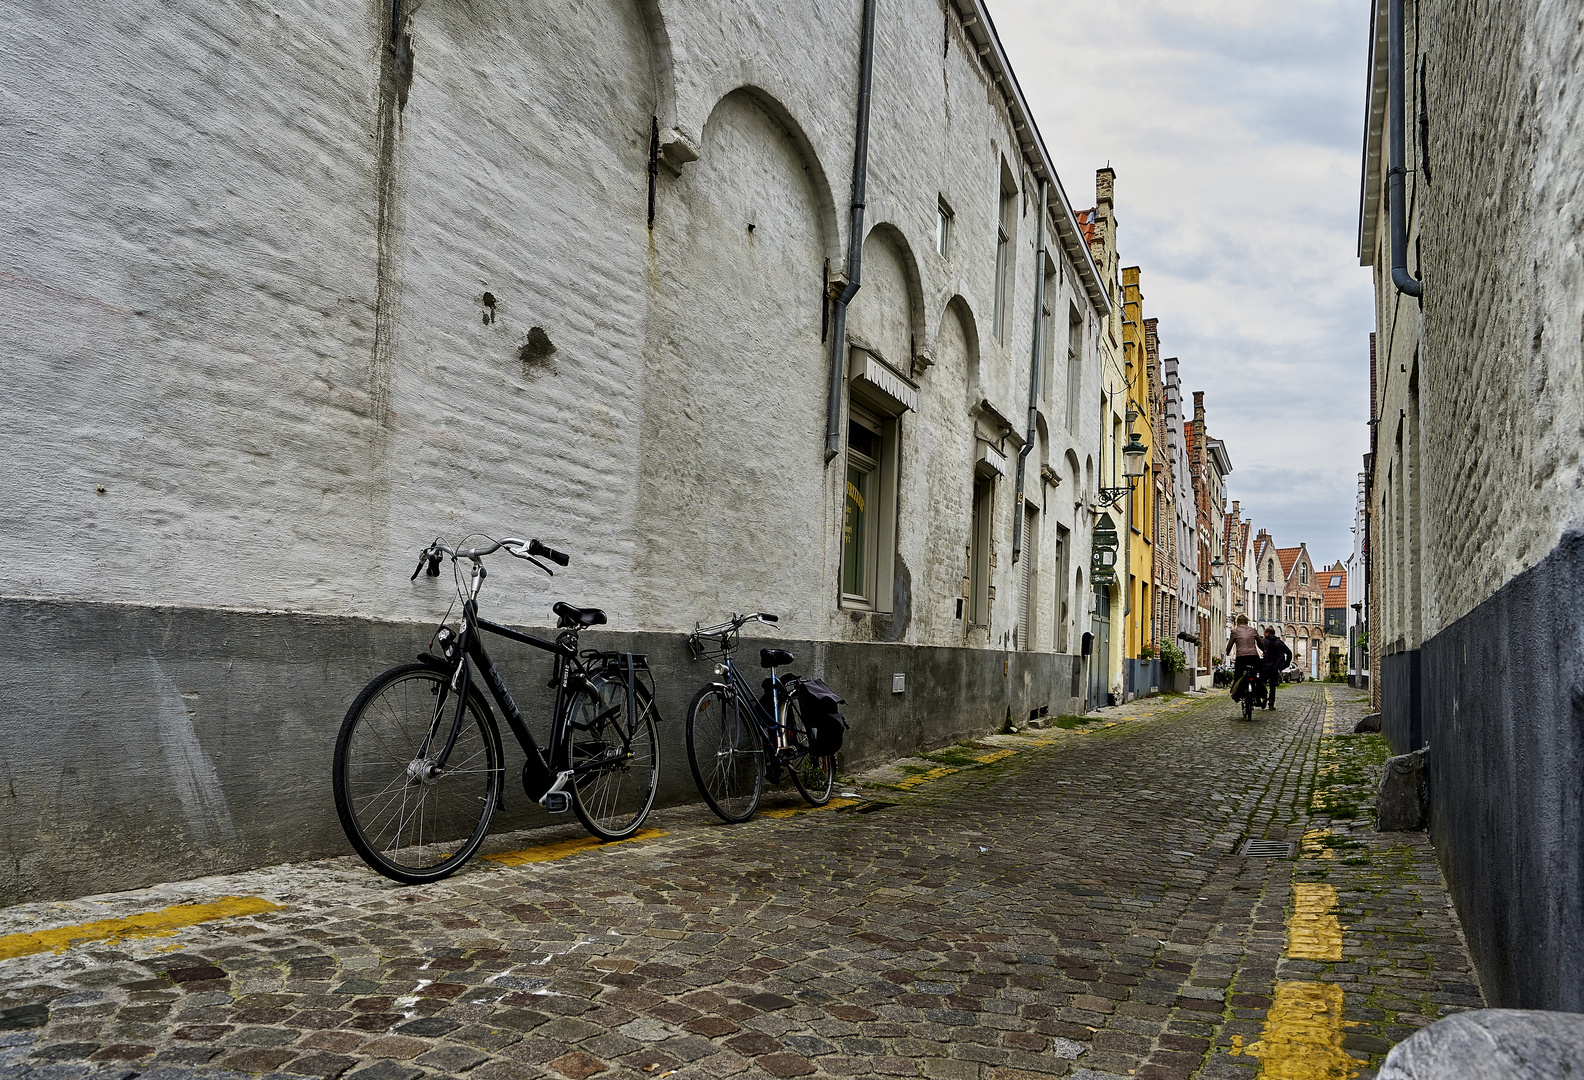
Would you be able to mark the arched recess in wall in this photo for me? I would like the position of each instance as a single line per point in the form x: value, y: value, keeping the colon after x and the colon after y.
x: 730, y: 474
x: 957, y: 350
x: 887, y: 315
x: 518, y: 267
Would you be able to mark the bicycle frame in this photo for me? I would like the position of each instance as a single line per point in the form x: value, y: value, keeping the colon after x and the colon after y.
x: 769, y: 724
x: 540, y: 771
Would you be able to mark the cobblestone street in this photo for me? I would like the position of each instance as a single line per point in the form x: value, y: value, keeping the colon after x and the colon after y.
x: 1056, y: 902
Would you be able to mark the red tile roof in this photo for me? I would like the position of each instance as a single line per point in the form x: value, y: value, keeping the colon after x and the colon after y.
x: 1335, y: 595
x: 1086, y: 224
x: 1288, y: 557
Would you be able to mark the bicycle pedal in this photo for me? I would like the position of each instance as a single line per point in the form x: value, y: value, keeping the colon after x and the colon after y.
x: 556, y: 802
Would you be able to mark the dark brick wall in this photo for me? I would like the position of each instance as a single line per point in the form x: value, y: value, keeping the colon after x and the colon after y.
x: 1402, y: 713
x: 1504, y: 716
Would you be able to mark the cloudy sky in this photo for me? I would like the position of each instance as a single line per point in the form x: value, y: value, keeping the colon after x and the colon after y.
x: 1235, y: 128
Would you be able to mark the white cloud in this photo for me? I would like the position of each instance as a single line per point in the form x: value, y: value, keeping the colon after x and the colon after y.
x: 1235, y: 128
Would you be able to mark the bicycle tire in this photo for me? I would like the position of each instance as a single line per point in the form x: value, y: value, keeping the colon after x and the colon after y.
x: 726, y: 754
x: 410, y: 826
x: 813, y: 775
x: 611, y: 802
x: 1249, y: 690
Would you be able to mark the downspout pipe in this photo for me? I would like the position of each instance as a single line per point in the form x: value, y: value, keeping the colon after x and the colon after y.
x: 855, y: 238
x: 1405, y: 282
x: 1035, y: 370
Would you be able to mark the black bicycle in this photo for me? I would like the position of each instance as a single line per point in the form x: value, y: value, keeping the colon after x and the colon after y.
x: 1248, y: 687
x: 419, y: 766
x: 736, y: 738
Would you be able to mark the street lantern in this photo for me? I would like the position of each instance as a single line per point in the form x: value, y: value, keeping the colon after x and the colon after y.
x: 1216, y: 566
x: 1135, y: 451
x: 1132, y: 470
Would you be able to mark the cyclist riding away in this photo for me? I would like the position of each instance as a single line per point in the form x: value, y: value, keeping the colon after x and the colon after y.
x: 1245, y: 643
x: 1277, y: 657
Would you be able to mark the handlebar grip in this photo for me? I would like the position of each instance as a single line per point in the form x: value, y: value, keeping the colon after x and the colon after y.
x: 769, y: 618
x: 560, y: 558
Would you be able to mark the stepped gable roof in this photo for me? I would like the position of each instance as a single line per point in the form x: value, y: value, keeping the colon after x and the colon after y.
x: 1335, y: 595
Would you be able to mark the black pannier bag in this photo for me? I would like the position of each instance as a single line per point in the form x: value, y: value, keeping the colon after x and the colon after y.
x: 826, y: 726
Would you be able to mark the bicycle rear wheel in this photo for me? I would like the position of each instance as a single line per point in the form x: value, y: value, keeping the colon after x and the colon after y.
x: 725, y: 753
x: 408, y: 819
x: 616, y: 790
x: 813, y: 774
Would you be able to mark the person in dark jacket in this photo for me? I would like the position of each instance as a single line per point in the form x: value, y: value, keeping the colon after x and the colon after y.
x: 1277, y: 657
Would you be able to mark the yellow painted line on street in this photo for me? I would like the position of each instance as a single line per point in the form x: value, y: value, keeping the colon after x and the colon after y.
x: 1313, y: 930
x: 1326, y: 769
x: 162, y: 923
x: 924, y: 777
x: 1302, y: 1038
x: 561, y: 849
x: 1312, y: 847
x: 995, y: 755
x: 1304, y: 1027
x: 1328, y: 724
x: 794, y: 811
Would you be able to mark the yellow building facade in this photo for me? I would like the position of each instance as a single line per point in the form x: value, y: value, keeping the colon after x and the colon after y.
x: 1139, y: 431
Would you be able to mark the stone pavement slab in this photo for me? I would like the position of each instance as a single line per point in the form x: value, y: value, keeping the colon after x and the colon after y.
x: 1056, y: 902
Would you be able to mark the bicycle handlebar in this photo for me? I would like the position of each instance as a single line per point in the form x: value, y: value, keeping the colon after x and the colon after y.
x: 736, y: 622
x: 513, y: 545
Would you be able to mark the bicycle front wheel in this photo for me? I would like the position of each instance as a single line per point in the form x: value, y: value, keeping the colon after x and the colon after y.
x: 725, y: 754
x: 814, y: 774
x: 408, y: 818
x: 616, y: 758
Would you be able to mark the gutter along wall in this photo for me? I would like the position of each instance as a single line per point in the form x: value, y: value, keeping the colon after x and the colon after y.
x: 353, y: 285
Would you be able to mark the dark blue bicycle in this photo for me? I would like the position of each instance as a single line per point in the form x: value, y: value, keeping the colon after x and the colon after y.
x: 736, y: 737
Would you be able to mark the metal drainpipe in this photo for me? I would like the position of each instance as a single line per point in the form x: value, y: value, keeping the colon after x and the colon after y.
x: 838, y: 334
x: 1404, y: 281
x: 1034, y: 376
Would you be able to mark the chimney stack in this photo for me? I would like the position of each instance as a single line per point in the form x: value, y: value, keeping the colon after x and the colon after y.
x: 1105, y: 185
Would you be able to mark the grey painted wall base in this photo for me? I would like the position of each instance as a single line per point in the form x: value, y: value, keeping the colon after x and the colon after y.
x: 1402, y: 711
x: 1504, y: 716
x: 1492, y: 1044
x: 143, y: 744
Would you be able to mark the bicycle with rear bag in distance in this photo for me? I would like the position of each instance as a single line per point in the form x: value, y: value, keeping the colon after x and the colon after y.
x: 736, y: 738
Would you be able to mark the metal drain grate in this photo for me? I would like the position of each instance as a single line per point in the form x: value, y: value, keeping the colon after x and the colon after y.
x: 1268, y: 849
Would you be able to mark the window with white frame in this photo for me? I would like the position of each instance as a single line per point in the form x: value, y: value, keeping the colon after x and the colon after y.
x: 1006, y: 230
x: 979, y: 535
x: 860, y: 524
x: 869, y: 518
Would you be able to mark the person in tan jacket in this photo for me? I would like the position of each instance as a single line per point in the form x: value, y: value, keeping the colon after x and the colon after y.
x: 1244, y: 647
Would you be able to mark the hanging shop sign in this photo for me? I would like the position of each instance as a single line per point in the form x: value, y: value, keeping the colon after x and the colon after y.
x: 1102, y: 560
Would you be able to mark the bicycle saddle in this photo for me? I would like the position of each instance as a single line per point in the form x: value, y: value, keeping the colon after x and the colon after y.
x: 770, y: 658
x: 579, y: 616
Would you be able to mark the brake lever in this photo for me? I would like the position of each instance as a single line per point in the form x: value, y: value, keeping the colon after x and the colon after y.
x: 522, y: 553
x: 424, y: 556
